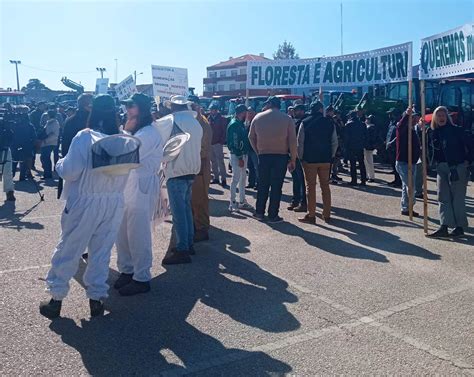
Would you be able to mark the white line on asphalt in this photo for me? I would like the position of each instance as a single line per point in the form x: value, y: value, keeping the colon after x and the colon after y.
x: 24, y: 269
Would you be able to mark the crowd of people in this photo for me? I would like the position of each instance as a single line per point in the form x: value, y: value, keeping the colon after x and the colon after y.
x: 314, y: 146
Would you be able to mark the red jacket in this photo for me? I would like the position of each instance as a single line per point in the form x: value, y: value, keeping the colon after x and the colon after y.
x: 219, y: 128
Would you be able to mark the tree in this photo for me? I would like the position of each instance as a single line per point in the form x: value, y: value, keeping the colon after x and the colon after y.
x: 285, y: 51
x: 35, y: 84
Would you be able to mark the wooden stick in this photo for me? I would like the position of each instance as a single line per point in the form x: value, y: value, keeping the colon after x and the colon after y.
x: 247, y: 91
x: 410, y: 153
x: 423, y: 157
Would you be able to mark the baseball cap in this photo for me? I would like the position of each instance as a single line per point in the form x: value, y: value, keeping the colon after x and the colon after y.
x: 139, y: 99
x: 274, y: 101
x: 240, y: 109
x: 299, y: 106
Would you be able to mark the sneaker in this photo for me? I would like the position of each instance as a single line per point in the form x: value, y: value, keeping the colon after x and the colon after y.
x: 201, y: 235
x: 301, y: 208
x: 442, y: 232
x: 97, y: 308
x: 371, y: 180
x: 176, y: 257
x: 245, y: 206
x: 352, y: 183
x: 215, y: 182
x: 407, y: 213
x: 10, y: 196
x: 308, y: 220
x: 259, y: 217
x: 419, y: 196
x: 135, y: 288
x: 233, y: 206
x: 457, y: 232
x: 363, y: 183
x: 292, y: 206
x: 123, y: 280
x: 276, y: 219
x: 50, y: 309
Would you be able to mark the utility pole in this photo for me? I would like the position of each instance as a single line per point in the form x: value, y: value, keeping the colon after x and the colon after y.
x: 101, y: 70
x: 116, y: 69
x: 342, y: 49
x: 135, y: 75
x: 16, y: 62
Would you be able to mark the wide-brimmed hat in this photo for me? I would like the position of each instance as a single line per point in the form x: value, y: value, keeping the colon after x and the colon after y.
x: 177, y: 100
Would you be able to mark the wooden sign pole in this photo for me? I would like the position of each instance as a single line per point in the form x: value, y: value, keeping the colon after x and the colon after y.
x: 423, y: 156
x: 410, y: 152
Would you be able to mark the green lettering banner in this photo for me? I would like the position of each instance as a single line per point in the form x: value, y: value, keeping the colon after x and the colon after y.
x: 385, y: 65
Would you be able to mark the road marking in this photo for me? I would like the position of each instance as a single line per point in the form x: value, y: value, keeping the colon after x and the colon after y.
x: 25, y: 269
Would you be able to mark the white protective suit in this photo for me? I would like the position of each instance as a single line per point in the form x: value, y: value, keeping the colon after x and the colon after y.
x: 91, y: 218
x: 134, y: 242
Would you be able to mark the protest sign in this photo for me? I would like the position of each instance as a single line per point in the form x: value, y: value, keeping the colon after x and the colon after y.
x: 448, y: 54
x: 125, y: 88
x: 101, y: 86
x: 385, y: 65
x: 169, y: 81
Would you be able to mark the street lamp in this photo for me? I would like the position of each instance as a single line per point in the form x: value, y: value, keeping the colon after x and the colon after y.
x: 101, y: 70
x: 16, y: 62
x: 137, y: 74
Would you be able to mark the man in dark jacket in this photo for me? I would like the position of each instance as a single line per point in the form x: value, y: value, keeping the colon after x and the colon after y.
x: 298, y: 204
x: 23, y: 146
x: 77, y: 122
x: 219, y: 127
x: 317, y: 145
x: 401, y: 164
x: 355, y: 139
x: 390, y: 143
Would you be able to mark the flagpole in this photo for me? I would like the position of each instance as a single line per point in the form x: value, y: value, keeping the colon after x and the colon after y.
x: 423, y: 156
x: 410, y: 152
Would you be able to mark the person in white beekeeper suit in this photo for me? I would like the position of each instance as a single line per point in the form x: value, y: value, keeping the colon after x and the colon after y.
x: 134, y: 242
x: 94, y: 208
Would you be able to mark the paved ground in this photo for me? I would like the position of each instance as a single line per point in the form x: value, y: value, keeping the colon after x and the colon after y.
x: 367, y: 294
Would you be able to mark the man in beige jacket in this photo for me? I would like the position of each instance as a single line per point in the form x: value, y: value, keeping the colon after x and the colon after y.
x: 272, y: 135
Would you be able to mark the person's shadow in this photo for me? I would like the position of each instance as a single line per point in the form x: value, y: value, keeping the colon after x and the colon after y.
x: 152, y: 333
x: 9, y: 218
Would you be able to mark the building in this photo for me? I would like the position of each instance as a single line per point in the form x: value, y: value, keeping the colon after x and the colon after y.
x: 229, y: 78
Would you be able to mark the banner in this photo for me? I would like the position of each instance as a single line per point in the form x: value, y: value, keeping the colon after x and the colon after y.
x: 101, y: 86
x: 169, y: 81
x: 125, y: 88
x: 448, y: 54
x: 385, y: 65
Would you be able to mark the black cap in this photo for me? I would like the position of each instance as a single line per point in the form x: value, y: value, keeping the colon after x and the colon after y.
x: 103, y: 102
x: 139, y: 99
x: 194, y: 99
x: 240, y: 109
x: 299, y: 106
x: 316, y: 106
x: 274, y: 101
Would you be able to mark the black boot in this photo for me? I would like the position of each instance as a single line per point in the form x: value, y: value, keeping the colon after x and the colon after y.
x: 97, y: 308
x: 123, y: 280
x: 135, y: 288
x: 442, y: 232
x: 50, y: 309
x: 10, y: 196
x: 457, y: 232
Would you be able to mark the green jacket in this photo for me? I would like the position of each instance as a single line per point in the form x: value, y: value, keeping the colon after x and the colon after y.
x: 237, y: 138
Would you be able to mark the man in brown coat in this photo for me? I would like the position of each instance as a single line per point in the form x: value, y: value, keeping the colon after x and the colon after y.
x: 200, y: 189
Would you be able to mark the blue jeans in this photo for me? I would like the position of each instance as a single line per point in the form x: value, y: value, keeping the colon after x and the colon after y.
x: 402, y: 170
x: 299, y: 189
x: 46, y: 160
x: 252, y: 165
x: 271, y: 174
x: 179, y: 192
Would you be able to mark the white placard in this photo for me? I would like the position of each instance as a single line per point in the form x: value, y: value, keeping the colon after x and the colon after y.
x: 448, y: 54
x: 169, y: 81
x: 389, y: 64
x: 101, y: 86
x: 125, y: 88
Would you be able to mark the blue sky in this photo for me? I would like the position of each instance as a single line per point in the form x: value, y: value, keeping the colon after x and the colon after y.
x: 72, y: 38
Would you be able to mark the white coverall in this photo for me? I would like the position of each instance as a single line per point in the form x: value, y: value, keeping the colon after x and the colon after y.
x: 134, y: 242
x: 91, y: 218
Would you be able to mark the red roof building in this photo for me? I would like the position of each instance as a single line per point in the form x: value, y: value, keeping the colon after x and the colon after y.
x: 229, y: 78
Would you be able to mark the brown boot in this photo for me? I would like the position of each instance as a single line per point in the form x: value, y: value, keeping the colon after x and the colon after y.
x: 308, y: 220
x: 201, y: 235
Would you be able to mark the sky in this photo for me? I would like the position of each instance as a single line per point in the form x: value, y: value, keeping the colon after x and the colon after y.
x: 71, y: 38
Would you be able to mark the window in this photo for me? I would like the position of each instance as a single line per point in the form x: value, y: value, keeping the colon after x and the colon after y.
x: 212, y: 74
x: 222, y: 74
x: 243, y: 71
x: 220, y: 88
x: 242, y: 85
x: 233, y: 72
x: 232, y: 87
x: 210, y: 88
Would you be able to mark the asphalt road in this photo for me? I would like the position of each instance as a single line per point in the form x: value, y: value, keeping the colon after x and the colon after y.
x: 366, y: 294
